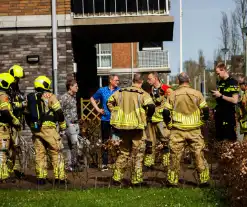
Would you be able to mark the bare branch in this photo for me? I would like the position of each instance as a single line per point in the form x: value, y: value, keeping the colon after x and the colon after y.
x: 218, y: 55
x: 234, y: 47
x: 224, y: 27
x: 241, y: 18
x: 201, y: 61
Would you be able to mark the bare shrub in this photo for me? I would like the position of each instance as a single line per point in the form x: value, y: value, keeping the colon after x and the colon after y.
x: 233, y: 169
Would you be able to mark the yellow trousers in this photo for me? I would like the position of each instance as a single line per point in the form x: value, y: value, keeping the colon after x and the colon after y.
x: 132, y: 142
x: 49, y: 141
x: 157, y: 131
x: 4, y: 147
x: 195, y: 141
x: 14, y: 152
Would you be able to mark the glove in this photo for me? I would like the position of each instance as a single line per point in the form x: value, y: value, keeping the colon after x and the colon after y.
x: 24, y: 104
x: 17, y: 125
x: 156, y: 95
x: 149, y: 119
x: 169, y: 126
x: 62, y: 133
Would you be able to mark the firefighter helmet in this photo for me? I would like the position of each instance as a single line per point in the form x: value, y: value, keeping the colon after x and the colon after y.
x: 6, y: 80
x: 42, y: 82
x: 16, y: 71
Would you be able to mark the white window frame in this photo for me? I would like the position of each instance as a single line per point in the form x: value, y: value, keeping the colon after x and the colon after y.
x: 99, y: 55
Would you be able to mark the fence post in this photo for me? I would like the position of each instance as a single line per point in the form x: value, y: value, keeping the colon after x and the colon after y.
x: 82, y: 108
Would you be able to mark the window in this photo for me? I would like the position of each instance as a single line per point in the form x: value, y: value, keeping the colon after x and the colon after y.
x: 104, y: 55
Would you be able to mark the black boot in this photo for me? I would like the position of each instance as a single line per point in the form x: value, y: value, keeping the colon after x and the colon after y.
x: 204, y: 185
x: 139, y: 185
x: 115, y: 183
x: 41, y: 181
x: 19, y: 174
x: 61, y: 182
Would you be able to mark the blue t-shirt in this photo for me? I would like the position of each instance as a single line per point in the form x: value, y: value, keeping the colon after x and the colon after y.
x: 102, y: 95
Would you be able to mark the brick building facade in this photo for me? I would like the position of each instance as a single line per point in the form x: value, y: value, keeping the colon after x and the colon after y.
x: 26, y: 29
x: 34, y: 7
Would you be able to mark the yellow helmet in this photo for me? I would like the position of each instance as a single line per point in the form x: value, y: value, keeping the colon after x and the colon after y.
x: 42, y: 82
x: 16, y: 71
x: 6, y: 80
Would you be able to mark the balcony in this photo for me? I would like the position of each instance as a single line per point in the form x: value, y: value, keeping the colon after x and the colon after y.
x: 119, y: 8
x: 106, y: 21
x: 153, y: 59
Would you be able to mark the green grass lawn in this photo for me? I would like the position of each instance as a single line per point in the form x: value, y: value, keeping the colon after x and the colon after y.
x: 113, y: 197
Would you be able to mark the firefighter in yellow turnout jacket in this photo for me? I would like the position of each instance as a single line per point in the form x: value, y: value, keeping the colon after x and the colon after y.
x: 128, y: 119
x: 46, y: 137
x: 156, y: 128
x: 18, y: 104
x: 243, y: 111
x: 7, y: 120
x: 185, y: 112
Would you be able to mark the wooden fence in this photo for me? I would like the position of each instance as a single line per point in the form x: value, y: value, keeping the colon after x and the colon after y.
x: 88, y: 112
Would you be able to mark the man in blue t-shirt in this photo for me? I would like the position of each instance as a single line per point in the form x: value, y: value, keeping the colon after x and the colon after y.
x: 102, y: 95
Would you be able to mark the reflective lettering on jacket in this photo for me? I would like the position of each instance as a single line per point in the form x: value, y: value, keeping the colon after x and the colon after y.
x: 185, y: 105
x: 127, y: 108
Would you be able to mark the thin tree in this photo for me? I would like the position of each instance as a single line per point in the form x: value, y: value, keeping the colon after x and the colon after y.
x: 234, y: 47
x: 201, y: 61
x: 225, y: 32
x: 218, y: 55
x: 241, y: 19
x: 201, y: 67
x: 191, y: 68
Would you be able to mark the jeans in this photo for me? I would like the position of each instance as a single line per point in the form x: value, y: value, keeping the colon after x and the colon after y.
x: 70, y: 149
x: 105, y: 133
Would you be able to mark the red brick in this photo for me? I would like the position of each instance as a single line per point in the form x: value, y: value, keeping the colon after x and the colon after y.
x: 34, y: 7
x: 121, y: 55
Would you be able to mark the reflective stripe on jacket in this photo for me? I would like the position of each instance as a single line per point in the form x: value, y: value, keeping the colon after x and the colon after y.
x: 127, y: 108
x: 185, y: 105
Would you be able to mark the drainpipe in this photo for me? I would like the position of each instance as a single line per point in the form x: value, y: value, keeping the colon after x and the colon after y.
x: 54, y: 45
x: 132, y: 61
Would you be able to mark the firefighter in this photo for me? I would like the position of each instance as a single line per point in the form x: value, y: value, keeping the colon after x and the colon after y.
x: 7, y: 120
x: 43, y: 126
x: 18, y: 104
x: 156, y: 128
x: 184, y: 113
x: 243, y: 110
x: 128, y: 119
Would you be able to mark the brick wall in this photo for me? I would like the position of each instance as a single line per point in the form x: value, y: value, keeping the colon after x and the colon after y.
x: 121, y: 55
x: 14, y: 49
x: 32, y: 7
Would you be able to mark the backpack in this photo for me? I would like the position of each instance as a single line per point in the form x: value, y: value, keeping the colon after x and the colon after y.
x: 36, y: 109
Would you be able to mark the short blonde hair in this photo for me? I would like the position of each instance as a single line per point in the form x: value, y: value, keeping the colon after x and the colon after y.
x: 221, y: 66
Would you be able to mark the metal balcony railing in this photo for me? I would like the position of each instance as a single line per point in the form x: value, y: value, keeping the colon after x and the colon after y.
x: 153, y: 59
x: 109, y: 8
